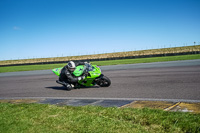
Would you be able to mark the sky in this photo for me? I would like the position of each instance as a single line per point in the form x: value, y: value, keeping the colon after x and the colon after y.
x: 56, y: 28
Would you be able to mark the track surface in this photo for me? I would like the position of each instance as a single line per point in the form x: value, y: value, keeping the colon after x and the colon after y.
x: 167, y: 80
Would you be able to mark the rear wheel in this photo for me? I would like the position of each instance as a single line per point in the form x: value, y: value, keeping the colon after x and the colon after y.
x: 104, y: 82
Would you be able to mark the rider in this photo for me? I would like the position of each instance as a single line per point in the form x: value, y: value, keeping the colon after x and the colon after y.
x: 66, y: 76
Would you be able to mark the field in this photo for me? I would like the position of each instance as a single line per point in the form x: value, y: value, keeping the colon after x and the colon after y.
x: 151, y: 52
x: 101, y: 63
x: 40, y: 118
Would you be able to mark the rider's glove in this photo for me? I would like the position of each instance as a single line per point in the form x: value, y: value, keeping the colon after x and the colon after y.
x: 81, y: 78
x: 87, y: 62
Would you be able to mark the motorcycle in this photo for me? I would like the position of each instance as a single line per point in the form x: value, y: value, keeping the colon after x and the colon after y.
x: 93, y: 75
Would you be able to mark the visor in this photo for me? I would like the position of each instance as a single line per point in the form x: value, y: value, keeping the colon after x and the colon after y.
x: 72, y: 69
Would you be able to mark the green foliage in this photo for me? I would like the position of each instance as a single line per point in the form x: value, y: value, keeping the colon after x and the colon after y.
x: 50, y: 118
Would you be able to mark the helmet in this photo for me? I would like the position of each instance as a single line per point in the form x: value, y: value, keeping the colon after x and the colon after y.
x: 71, y: 66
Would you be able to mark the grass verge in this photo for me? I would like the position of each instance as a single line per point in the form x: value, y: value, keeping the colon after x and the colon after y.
x: 101, y: 63
x: 50, y: 118
x: 148, y: 60
x: 149, y: 52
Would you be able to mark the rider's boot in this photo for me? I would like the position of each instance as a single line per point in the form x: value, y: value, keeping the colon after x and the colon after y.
x: 67, y: 85
x: 76, y: 86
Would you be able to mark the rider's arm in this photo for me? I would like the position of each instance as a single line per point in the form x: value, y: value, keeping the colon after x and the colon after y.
x: 80, y: 63
x: 73, y: 79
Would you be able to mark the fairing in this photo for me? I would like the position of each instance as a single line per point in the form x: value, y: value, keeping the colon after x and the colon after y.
x: 93, y: 72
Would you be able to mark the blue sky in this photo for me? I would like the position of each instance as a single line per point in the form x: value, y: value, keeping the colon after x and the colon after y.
x: 52, y: 28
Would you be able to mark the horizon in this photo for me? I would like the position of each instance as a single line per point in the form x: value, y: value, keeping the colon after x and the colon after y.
x: 100, y: 53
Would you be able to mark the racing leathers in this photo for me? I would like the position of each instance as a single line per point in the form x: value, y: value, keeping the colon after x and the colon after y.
x: 67, y: 78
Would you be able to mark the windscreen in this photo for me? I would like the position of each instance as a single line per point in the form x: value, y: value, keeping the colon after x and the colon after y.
x: 88, y: 67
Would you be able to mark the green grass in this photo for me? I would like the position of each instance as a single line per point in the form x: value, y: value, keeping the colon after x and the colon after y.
x: 148, y: 60
x: 40, y: 118
x: 173, y: 50
x: 29, y: 67
x: 101, y: 63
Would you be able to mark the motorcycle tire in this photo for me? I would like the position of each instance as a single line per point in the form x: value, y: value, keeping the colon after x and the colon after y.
x: 104, y: 82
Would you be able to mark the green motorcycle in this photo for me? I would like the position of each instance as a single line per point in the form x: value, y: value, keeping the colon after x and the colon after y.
x: 94, y: 75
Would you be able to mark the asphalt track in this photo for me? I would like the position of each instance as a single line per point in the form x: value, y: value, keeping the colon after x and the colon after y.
x: 176, y: 80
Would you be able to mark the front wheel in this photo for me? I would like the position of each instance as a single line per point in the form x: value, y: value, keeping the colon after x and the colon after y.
x: 104, y: 81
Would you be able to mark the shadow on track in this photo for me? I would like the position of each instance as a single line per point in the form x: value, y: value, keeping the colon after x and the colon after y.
x: 57, y: 88
x: 64, y: 88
